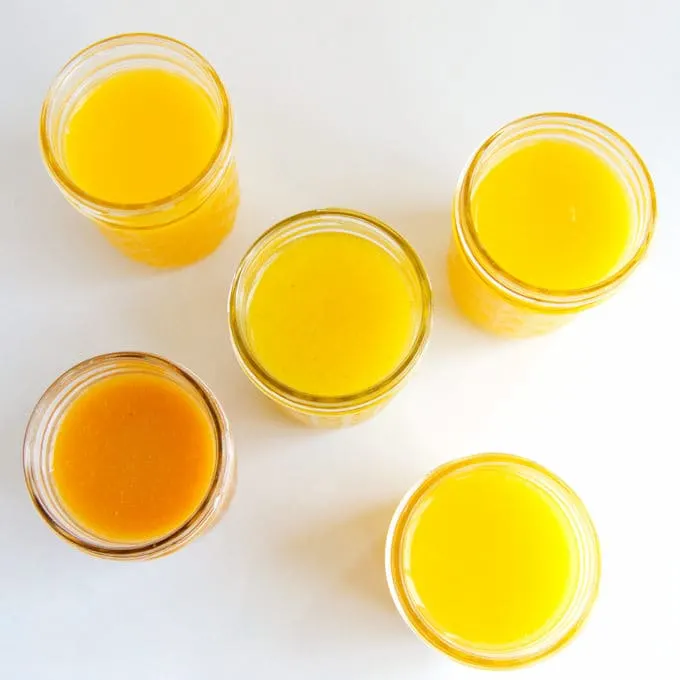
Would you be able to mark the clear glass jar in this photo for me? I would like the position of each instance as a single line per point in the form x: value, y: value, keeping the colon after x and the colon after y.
x: 38, y: 453
x: 491, y: 297
x: 171, y: 231
x: 584, y: 592
x: 314, y: 410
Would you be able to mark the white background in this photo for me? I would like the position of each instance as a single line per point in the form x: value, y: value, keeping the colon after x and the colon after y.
x: 373, y: 105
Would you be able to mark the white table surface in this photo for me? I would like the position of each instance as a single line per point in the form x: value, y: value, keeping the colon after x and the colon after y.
x: 374, y: 105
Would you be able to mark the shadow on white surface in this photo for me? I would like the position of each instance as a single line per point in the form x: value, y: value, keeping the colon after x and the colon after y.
x: 348, y: 556
x: 50, y: 244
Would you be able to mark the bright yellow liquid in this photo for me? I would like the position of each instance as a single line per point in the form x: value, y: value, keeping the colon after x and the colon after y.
x: 141, y: 136
x: 331, y: 315
x: 554, y: 215
x: 490, y: 557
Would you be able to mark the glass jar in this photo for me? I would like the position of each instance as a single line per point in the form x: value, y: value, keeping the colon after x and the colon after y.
x: 40, y: 437
x: 584, y: 593
x: 491, y: 297
x: 174, y: 230
x: 315, y: 410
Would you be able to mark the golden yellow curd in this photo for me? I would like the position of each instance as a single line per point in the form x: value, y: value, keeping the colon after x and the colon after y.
x: 489, y: 558
x: 145, y: 150
x: 554, y: 214
x: 543, y: 219
x: 331, y: 315
x: 329, y: 311
x: 140, y: 135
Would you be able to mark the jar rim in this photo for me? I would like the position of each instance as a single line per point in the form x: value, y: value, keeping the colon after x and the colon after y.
x: 278, y: 390
x: 61, y: 174
x: 589, y: 567
x: 494, y: 273
x: 43, y: 417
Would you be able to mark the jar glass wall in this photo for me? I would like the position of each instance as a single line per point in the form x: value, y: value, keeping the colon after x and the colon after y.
x: 340, y: 409
x: 491, y: 296
x: 171, y: 230
x: 39, y: 449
